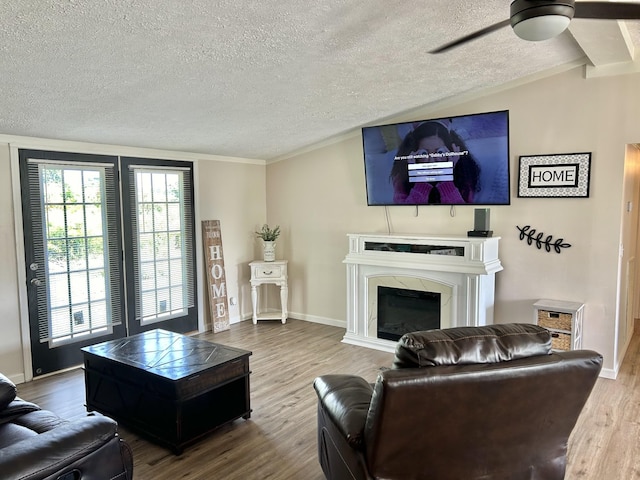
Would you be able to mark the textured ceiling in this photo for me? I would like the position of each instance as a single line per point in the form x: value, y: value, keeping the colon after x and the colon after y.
x: 253, y: 79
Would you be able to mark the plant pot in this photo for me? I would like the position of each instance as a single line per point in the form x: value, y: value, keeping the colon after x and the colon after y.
x: 269, y: 251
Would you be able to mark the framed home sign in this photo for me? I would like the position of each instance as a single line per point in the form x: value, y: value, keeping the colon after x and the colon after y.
x: 554, y: 176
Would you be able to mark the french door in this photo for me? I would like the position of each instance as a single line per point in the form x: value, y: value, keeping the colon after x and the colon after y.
x: 104, y: 258
x: 159, y: 245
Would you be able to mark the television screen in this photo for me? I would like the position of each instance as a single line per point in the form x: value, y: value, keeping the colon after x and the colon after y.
x: 461, y: 160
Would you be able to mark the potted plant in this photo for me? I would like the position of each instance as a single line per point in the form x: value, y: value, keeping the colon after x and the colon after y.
x: 269, y: 236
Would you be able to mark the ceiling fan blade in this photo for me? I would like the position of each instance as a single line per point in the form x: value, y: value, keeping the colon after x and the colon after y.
x: 473, y: 36
x: 607, y: 10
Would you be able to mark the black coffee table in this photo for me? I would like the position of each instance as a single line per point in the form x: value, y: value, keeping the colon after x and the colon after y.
x: 169, y: 387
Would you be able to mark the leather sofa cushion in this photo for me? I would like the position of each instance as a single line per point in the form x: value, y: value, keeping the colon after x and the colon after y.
x: 468, y: 345
x: 7, y: 391
x: 16, y: 409
x: 10, y: 433
x: 40, y: 421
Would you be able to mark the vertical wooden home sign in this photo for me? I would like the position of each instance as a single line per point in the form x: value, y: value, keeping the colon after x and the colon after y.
x: 216, y: 281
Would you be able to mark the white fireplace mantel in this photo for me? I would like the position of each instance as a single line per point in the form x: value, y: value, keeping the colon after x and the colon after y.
x: 461, y: 268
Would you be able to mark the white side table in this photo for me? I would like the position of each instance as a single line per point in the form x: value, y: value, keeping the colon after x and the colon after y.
x: 269, y: 272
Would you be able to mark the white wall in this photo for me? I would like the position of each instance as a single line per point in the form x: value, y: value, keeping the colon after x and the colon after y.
x: 234, y: 193
x: 227, y: 189
x: 10, y: 339
x: 319, y: 196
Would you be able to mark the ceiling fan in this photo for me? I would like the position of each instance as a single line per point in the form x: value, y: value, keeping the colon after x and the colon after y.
x: 543, y: 19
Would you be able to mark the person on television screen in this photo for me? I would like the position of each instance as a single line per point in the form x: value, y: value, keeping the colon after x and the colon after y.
x: 433, y: 165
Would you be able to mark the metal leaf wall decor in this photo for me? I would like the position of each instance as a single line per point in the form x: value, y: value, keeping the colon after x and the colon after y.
x: 539, y: 239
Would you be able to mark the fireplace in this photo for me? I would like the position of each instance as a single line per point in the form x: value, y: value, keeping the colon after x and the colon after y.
x: 402, y: 311
x: 460, y: 271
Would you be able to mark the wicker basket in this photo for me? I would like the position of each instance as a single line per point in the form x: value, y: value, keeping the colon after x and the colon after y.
x: 560, y: 341
x: 554, y: 320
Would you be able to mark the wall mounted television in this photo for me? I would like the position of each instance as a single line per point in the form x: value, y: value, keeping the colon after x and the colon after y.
x: 461, y: 160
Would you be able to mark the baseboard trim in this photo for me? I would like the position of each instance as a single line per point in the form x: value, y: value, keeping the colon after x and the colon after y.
x: 17, y: 379
x: 297, y: 316
x: 609, y: 373
x: 316, y: 319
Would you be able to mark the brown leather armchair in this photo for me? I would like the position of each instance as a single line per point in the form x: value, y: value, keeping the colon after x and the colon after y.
x: 36, y: 444
x: 463, y: 403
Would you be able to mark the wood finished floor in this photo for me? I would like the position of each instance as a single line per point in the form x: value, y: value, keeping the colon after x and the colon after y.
x: 279, y: 441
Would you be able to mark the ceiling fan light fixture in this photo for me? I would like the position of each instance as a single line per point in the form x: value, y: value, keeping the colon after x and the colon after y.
x: 537, y: 20
x: 541, y: 28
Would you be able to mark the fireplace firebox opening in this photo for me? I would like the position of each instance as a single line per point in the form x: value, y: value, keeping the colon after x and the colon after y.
x: 402, y: 311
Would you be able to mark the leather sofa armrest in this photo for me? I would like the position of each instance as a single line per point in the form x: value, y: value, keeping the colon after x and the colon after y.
x: 346, y: 400
x: 47, y: 453
x: 7, y: 391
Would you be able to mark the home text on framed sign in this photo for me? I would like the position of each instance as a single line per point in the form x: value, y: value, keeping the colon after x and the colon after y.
x: 216, y: 280
x: 554, y: 176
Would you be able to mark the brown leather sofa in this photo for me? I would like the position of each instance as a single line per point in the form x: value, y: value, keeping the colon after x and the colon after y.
x: 36, y: 444
x: 464, y: 403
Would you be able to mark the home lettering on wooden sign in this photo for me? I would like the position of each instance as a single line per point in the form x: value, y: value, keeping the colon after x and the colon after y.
x: 216, y: 280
